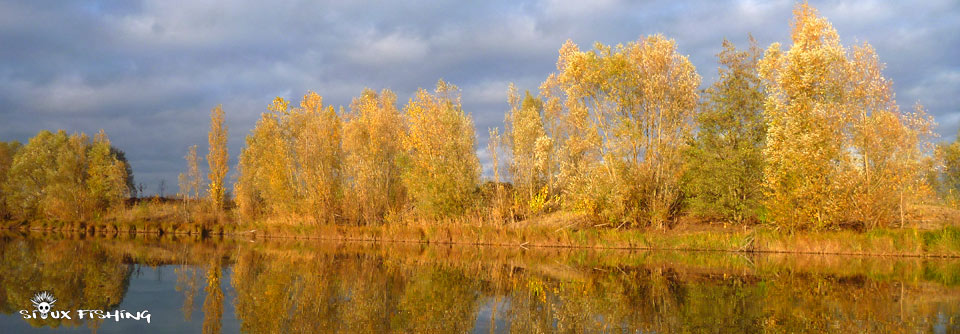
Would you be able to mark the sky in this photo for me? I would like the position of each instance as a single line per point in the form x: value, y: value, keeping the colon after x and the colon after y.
x: 148, y: 72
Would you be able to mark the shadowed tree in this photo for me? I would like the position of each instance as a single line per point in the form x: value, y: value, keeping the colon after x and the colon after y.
x: 725, y: 161
x: 948, y: 183
x: 7, y: 151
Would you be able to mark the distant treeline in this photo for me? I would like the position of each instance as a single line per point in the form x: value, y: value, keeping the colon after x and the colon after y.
x: 806, y: 135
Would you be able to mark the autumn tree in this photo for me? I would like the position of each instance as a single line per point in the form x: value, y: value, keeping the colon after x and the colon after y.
x: 32, y: 173
x: 106, y: 174
x: 626, y: 111
x: 217, y: 157
x: 265, y: 184
x: 948, y: 180
x: 372, y: 131
x: 532, y: 151
x: 7, y: 152
x: 291, y: 165
x: 65, y: 197
x: 496, y: 196
x: 725, y: 161
x: 191, y: 181
x: 889, y: 147
x: 838, y: 148
x: 65, y: 177
x: 315, y: 136
x: 442, y: 169
x: 806, y: 124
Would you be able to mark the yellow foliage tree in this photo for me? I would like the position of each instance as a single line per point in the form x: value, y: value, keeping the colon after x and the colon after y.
x: 442, y: 169
x: 627, y: 110
x: 66, y: 177
x: 291, y: 165
x: 946, y: 175
x: 889, y: 146
x: 806, y: 124
x: 106, y: 175
x: 265, y: 183
x: 371, y: 142
x: 217, y: 157
x: 531, y: 149
x: 314, y: 133
x: 500, y: 208
x: 838, y: 148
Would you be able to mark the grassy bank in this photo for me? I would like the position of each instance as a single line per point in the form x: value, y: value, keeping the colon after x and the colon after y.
x: 941, y: 242
x: 164, y: 219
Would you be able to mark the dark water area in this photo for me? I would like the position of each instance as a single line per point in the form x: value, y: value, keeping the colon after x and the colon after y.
x: 191, y: 285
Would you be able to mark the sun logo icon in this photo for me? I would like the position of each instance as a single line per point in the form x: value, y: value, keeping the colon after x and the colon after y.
x: 43, y: 301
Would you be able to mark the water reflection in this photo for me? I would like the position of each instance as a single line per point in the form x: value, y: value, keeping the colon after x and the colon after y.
x: 257, y: 286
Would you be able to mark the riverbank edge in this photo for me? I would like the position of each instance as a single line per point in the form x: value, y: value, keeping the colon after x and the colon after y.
x: 943, y: 242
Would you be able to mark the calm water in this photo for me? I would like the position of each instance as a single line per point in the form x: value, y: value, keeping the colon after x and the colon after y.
x: 188, y: 285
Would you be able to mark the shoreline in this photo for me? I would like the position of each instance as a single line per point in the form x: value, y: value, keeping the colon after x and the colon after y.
x: 942, y: 242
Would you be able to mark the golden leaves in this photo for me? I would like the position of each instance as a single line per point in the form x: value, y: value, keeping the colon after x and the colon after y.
x: 217, y: 156
x: 625, y: 112
x: 292, y: 162
x: 839, y: 150
x: 440, y: 146
x: 65, y: 177
x: 371, y: 142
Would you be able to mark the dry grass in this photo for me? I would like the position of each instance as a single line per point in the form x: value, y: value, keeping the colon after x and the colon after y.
x: 932, y: 216
x: 150, y: 216
x: 928, y: 237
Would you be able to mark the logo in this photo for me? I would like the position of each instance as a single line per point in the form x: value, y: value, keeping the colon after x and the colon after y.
x: 44, y: 301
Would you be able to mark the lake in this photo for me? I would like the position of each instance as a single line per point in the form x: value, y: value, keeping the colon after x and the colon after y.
x: 213, y: 285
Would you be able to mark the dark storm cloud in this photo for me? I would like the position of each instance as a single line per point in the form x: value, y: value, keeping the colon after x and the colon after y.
x: 148, y: 72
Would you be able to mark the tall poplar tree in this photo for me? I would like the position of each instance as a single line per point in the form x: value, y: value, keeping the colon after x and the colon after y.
x: 217, y: 157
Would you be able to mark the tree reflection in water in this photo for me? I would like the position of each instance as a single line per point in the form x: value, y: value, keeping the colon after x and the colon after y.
x: 308, y: 287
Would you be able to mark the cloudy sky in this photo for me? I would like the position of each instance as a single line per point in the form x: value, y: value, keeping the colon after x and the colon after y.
x: 148, y: 71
